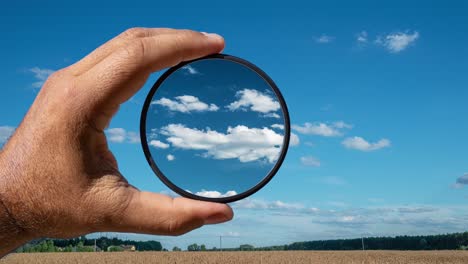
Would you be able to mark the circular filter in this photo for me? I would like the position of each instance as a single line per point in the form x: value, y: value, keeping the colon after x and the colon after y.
x: 215, y: 129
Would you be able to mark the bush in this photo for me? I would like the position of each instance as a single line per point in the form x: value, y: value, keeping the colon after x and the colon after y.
x: 115, y: 249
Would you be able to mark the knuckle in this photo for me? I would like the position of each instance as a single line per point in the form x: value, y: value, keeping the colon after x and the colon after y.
x: 178, y: 45
x: 190, y: 33
x: 135, y: 50
x: 135, y: 32
x: 57, y: 75
x: 186, y: 36
x: 55, y: 80
x: 184, y: 43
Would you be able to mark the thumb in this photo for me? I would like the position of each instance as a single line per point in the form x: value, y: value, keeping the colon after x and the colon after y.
x: 159, y: 214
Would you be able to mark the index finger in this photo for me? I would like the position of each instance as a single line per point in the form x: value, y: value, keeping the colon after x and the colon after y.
x: 112, y: 45
x: 116, y: 78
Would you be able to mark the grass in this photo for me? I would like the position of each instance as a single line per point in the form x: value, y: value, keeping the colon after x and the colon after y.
x: 348, y: 257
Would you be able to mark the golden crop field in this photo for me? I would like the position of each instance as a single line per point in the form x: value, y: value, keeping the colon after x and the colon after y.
x: 348, y: 257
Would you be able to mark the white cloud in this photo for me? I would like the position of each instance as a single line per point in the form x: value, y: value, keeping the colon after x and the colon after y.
x: 341, y: 124
x: 190, y: 69
x: 158, y: 144
x: 347, y: 218
x: 323, y: 39
x: 240, y: 142
x: 397, y: 42
x: 273, y: 115
x: 310, y: 161
x: 170, y: 157
x: 255, y: 101
x: 461, y: 181
x: 261, y: 204
x: 186, y: 104
x: 133, y: 137
x: 153, y: 134
x: 359, y: 143
x: 278, y: 126
x: 5, y: 133
x: 322, y: 129
x: 120, y: 135
x: 341, y: 212
x: 116, y: 135
x: 415, y: 210
x: 294, y: 141
x: 41, y: 76
x: 361, y: 38
x: 215, y: 194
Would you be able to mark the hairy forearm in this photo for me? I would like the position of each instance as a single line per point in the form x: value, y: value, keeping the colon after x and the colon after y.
x: 11, y: 234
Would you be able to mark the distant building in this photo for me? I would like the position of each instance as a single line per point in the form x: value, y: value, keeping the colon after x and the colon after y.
x: 128, y: 247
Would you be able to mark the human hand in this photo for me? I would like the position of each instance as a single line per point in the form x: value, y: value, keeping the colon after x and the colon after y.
x: 57, y: 175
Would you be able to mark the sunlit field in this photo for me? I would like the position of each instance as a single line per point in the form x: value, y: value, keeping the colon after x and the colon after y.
x: 245, y: 257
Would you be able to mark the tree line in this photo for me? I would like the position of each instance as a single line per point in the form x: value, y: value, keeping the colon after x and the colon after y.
x: 83, y: 244
x: 428, y: 242
x: 454, y: 241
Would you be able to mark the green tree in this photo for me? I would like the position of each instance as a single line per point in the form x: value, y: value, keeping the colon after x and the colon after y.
x: 423, y: 243
x: 246, y: 247
x: 202, y: 247
x: 68, y: 248
x: 80, y: 247
x: 114, y: 248
x: 193, y: 247
x: 176, y: 249
x: 50, y: 246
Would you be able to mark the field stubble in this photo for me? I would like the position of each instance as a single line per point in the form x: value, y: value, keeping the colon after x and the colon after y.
x: 348, y: 257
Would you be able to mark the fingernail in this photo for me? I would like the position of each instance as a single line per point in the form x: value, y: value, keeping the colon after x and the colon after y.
x: 212, y: 35
x: 216, y: 219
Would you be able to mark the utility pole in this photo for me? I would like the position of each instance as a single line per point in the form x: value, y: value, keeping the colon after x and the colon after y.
x: 95, y: 249
x: 220, y: 243
x: 362, y: 242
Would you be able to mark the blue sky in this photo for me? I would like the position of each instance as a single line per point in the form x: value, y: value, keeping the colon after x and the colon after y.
x: 377, y: 94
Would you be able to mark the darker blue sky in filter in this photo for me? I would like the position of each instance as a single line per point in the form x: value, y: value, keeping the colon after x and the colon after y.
x: 214, y: 82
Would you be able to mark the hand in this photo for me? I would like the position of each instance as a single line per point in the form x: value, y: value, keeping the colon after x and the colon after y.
x: 57, y: 175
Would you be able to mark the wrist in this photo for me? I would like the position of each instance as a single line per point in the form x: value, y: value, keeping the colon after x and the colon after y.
x: 12, y: 235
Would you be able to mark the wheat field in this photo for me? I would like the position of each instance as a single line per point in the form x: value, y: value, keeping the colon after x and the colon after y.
x: 348, y: 257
